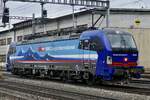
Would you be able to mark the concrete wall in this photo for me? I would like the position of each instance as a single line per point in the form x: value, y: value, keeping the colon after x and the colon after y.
x: 126, y: 21
x: 3, y: 48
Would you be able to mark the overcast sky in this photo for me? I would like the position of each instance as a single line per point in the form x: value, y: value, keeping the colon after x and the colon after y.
x: 27, y: 9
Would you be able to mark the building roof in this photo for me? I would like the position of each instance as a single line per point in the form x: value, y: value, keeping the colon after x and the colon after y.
x: 28, y: 23
x: 6, y: 31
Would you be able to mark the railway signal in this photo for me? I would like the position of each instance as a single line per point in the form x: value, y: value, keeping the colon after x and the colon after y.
x: 5, y: 17
x: 44, y: 13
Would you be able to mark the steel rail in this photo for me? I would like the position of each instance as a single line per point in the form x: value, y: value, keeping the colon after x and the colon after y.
x: 48, y: 92
x: 125, y: 88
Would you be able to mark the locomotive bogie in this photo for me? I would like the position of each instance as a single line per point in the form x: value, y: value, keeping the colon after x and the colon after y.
x: 58, y: 70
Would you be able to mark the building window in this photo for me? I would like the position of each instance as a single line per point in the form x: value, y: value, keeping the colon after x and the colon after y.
x: 2, y: 58
x: 19, y: 38
x: 9, y: 40
x: 2, y: 41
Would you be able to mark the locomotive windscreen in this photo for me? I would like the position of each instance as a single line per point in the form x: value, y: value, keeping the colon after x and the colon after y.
x: 122, y: 41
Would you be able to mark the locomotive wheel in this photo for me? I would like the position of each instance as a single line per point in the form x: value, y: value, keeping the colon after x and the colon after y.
x: 13, y: 71
x: 63, y: 77
x: 90, y: 81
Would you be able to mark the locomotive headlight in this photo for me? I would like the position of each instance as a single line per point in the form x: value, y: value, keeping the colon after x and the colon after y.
x: 125, y: 59
x: 109, y: 60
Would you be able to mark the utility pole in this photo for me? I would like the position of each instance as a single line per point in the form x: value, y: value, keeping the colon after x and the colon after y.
x: 73, y: 16
x: 42, y: 9
x: 33, y: 24
x: 108, y: 14
x: 92, y: 19
x: 14, y: 29
x: 4, y: 6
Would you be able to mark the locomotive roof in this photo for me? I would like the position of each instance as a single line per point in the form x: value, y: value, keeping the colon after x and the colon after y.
x: 114, y: 31
x: 91, y: 33
x: 98, y: 32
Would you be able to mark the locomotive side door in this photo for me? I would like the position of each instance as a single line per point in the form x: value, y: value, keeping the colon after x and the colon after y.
x: 89, y: 48
x: 85, y: 46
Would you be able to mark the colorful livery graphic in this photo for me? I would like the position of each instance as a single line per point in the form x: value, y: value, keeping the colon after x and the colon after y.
x: 106, y: 55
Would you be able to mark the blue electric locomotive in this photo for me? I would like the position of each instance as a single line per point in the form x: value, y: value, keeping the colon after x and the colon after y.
x: 97, y: 54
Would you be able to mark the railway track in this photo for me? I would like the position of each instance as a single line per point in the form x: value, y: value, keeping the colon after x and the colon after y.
x: 127, y: 89
x: 141, y: 81
x: 48, y: 92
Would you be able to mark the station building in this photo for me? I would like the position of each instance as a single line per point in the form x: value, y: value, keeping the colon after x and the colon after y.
x: 136, y: 21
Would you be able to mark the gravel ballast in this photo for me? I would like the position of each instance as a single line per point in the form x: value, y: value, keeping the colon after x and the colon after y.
x: 81, y: 89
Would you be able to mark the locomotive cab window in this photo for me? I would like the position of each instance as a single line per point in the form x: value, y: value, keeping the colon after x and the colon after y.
x: 122, y: 41
x: 84, y: 44
x: 90, y: 44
